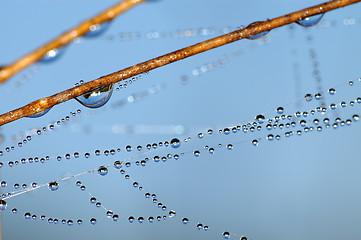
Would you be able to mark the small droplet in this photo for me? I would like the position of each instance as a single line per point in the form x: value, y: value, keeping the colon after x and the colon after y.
x: 53, y: 186
x: 255, y: 142
x: 310, y: 21
x: 226, y: 235
x: 260, y: 118
x: 93, y: 221
x: 39, y: 114
x: 97, y: 29
x: 280, y: 110
x: 331, y: 91
x: 96, y: 98
x: 102, y: 170
x: 356, y: 117
x: 175, y: 143
x: 196, y: 153
x: 172, y: 213
x: 3, y: 205
x: 131, y: 219
x: 185, y: 220
x: 308, y: 97
x: 52, y: 55
x: 200, y: 226
x: 259, y: 35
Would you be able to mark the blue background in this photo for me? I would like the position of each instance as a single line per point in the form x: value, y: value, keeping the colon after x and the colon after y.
x: 299, y: 187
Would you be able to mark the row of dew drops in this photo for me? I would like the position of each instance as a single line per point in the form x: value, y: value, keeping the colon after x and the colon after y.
x: 100, y: 96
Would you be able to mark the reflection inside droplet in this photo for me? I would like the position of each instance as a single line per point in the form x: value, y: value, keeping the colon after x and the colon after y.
x: 52, y: 55
x: 96, y: 30
x: 259, y: 35
x: 96, y: 98
x: 40, y: 114
x: 310, y: 21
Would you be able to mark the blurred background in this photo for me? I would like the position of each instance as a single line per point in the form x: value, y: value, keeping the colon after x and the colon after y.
x: 295, y: 186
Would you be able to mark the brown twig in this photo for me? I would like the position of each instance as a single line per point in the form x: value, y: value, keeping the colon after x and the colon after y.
x: 253, y: 29
x: 66, y: 38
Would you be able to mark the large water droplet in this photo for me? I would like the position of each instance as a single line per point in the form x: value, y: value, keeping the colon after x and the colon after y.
x: 310, y: 21
x: 102, y: 171
x: 3, y: 205
x: 53, y: 186
x: 40, y: 114
x: 96, y: 98
x: 52, y: 55
x: 226, y: 235
x: 259, y: 35
x: 175, y: 143
x: 97, y: 29
x: 260, y: 118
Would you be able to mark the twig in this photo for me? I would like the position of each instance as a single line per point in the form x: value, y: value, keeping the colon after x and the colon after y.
x: 66, y: 38
x: 253, y: 29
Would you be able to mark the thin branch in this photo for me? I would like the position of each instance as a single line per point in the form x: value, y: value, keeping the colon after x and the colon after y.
x: 252, y: 30
x: 66, y: 38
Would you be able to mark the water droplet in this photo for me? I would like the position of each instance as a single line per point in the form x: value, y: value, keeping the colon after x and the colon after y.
x: 331, y: 91
x: 39, y: 115
x: 70, y: 222
x: 131, y: 219
x: 260, y: 118
x: 128, y: 148
x: 115, y: 217
x: 102, y: 171
x: 3, y: 205
x: 255, y: 142
x: 172, y: 213
x: 229, y: 146
x: 53, y: 186
x: 280, y: 110
x: 140, y: 219
x: 175, y: 143
x: 185, y: 220
x: 79, y: 222
x: 97, y: 29
x: 259, y: 35
x: 308, y: 97
x: 52, y: 55
x: 356, y: 117
x: 196, y: 153
x: 14, y: 211
x: 199, y: 226
x: 96, y: 98
x: 310, y: 21
x: 93, y: 221
x: 93, y: 200
x: 27, y: 215
x: 226, y: 235
x: 118, y: 164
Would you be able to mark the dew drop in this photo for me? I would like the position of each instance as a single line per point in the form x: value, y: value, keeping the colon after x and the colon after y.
x: 308, y: 97
x: 199, y: 226
x: 172, y: 213
x: 53, y: 186
x: 96, y: 30
x: 3, y: 205
x: 52, y: 55
x: 27, y: 215
x: 93, y: 221
x: 280, y: 110
x: 96, y: 98
x: 39, y: 115
x: 185, y: 220
x: 356, y: 117
x: 255, y: 142
x: 331, y: 91
x: 102, y: 171
x: 259, y: 35
x: 196, y: 153
x: 226, y: 235
x: 310, y: 21
x: 118, y: 164
x: 260, y: 118
x: 131, y: 219
x: 175, y: 143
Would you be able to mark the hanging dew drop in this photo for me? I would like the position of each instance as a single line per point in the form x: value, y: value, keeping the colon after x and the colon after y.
x: 52, y: 55
x: 102, y: 171
x: 259, y: 35
x: 308, y: 97
x: 255, y: 142
x: 53, y: 186
x: 310, y: 21
x: 185, y: 220
x: 97, y: 98
x: 331, y: 91
x: 93, y: 221
x: 175, y: 143
x: 96, y: 30
x: 39, y: 115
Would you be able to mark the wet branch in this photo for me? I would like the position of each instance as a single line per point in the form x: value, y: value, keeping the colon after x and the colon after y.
x: 252, y: 30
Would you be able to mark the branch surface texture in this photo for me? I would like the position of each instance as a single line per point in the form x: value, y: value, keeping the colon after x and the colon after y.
x: 252, y: 30
x: 66, y: 38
